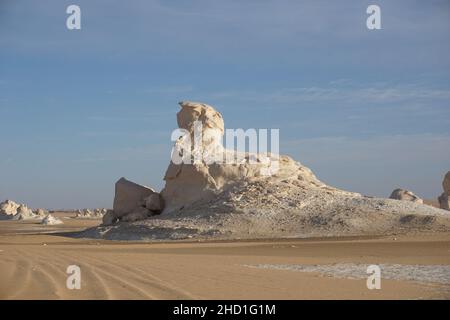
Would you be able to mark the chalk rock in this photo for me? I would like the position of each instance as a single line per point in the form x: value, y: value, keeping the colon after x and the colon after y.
x: 129, y: 196
x: 446, y: 183
x: 444, y: 201
x: 51, y: 220
x: 208, y: 169
x: 9, y: 207
x: 405, y: 195
x: 154, y: 203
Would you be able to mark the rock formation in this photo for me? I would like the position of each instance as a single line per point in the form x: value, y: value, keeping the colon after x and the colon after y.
x: 51, y: 220
x: 203, y: 179
x: 9, y: 210
x: 444, y: 198
x: 255, y: 196
x: 91, y: 214
x: 405, y: 195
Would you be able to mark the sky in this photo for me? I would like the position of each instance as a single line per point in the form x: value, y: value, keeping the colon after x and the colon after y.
x: 366, y: 110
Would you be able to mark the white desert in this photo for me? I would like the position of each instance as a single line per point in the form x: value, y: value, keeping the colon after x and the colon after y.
x: 261, y: 229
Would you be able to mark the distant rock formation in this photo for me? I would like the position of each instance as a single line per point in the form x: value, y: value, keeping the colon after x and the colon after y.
x: 51, y: 220
x: 444, y: 198
x: 91, y: 214
x: 9, y: 210
x: 405, y: 195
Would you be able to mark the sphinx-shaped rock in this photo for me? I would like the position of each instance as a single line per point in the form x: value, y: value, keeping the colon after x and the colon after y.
x: 208, y: 169
x: 405, y: 195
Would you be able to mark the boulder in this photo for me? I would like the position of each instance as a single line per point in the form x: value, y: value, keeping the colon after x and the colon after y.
x: 129, y: 196
x: 446, y: 183
x: 51, y: 220
x: 154, y: 203
x: 405, y: 195
x: 444, y: 201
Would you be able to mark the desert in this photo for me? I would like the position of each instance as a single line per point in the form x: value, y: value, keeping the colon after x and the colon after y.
x: 229, y: 231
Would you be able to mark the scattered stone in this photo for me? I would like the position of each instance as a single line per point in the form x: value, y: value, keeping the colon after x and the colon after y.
x: 405, y: 195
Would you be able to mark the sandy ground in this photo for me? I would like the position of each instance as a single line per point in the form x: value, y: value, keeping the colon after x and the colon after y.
x: 33, y: 263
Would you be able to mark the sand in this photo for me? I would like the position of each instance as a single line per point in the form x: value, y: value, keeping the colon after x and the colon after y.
x: 34, y: 258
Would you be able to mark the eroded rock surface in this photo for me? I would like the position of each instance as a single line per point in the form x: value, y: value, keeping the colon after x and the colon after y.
x: 405, y: 195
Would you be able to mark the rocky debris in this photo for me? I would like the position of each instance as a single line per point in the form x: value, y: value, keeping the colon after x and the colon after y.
x: 91, y: 214
x: 50, y: 220
x: 272, y: 196
x: 405, y: 195
x: 444, y: 201
x: 9, y: 210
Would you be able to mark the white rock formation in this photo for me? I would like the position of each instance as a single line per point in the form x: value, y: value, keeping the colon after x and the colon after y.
x: 8, y: 207
x: 91, y: 214
x: 204, y: 179
x: 405, y: 195
x: 50, y: 220
x: 9, y: 210
x: 270, y: 197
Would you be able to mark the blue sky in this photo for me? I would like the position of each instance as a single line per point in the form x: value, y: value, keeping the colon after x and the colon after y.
x: 368, y: 111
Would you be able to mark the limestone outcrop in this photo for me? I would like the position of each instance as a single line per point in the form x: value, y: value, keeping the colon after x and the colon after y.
x: 405, y: 195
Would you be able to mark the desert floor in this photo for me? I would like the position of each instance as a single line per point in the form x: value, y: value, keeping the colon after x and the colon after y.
x: 34, y: 259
